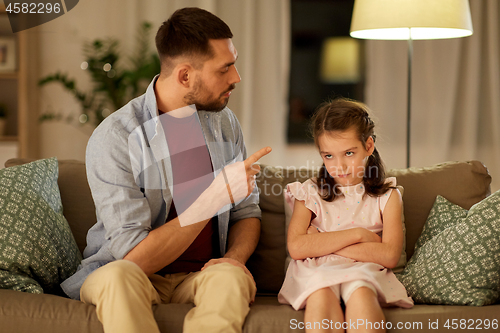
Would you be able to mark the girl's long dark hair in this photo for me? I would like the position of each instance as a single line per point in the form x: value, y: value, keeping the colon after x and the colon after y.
x: 341, y: 115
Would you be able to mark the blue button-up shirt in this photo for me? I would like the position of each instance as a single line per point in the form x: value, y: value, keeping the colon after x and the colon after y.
x: 130, y: 177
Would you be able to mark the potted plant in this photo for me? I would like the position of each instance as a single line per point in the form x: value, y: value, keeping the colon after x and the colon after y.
x: 113, y: 83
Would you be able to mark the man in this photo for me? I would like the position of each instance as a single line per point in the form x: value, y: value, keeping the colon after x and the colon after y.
x: 166, y: 230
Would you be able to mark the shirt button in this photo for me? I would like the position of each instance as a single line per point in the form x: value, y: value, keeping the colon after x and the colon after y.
x: 206, y: 116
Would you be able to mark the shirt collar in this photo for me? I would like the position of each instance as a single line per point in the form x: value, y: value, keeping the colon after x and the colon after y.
x: 150, y: 101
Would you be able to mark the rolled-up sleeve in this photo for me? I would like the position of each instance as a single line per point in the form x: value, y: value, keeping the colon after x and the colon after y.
x: 250, y: 206
x: 121, y: 206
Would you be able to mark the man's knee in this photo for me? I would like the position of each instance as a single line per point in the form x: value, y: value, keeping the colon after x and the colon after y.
x: 121, y: 279
x: 227, y: 275
x: 118, y: 274
x: 224, y: 285
x: 225, y: 269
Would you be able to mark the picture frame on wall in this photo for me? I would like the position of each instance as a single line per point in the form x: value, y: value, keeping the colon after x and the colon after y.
x: 7, y: 54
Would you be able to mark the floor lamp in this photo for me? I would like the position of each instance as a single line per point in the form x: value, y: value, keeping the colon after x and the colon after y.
x: 410, y: 20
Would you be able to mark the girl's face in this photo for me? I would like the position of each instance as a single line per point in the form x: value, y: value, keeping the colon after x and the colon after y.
x: 345, y: 155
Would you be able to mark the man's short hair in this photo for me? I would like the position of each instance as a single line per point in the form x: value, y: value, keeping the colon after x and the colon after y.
x: 187, y: 33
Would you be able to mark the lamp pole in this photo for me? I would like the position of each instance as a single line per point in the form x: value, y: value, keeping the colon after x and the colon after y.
x: 408, y: 106
x: 390, y: 19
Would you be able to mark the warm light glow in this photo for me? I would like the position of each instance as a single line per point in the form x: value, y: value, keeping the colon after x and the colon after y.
x: 340, y: 60
x: 427, y: 19
x: 105, y: 112
x: 83, y: 118
x: 416, y: 33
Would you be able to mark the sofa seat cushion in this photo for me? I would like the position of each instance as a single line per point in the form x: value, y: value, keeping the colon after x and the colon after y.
x: 37, y: 248
x: 23, y: 312
x: 457, y: 257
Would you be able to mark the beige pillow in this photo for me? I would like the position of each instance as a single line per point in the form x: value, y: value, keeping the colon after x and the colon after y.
x: 402, y: 260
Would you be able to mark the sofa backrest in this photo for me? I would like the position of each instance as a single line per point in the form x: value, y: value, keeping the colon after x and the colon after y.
x: 463, y: 183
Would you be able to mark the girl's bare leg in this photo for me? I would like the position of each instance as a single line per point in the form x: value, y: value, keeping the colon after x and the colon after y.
x: 323, y: 311
x: 363, y: 307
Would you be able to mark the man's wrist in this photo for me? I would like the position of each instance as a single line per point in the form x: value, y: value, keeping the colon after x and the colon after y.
x: 234, y: 256
x: 228, y: 188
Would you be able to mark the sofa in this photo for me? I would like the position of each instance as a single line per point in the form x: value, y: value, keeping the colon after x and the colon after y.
x: 463, y: 183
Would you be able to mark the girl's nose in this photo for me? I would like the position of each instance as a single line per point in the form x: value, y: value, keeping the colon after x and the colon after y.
x: 341, y: 165
x: 340, y: 168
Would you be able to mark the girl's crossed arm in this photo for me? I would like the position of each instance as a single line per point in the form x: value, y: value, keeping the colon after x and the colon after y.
x: 388, y: 252
x: 302, y: 245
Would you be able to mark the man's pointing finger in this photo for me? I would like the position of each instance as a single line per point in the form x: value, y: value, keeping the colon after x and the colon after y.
x: 257, y: 156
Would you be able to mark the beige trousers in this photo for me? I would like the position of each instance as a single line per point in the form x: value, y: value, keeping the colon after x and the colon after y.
x: 123, y: 296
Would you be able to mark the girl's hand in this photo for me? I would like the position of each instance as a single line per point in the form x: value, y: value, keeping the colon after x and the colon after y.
x: 367, y: 236
x: 312, y: 230
x: 386, y: 252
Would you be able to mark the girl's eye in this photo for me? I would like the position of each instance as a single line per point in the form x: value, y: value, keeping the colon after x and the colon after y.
x: 349, y: 153
x: 328, y: 156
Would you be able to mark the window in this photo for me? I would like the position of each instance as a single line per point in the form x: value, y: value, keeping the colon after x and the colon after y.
x: 320, y: 44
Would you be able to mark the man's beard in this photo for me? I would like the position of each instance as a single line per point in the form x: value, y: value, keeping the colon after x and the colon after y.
x: 200, y: 89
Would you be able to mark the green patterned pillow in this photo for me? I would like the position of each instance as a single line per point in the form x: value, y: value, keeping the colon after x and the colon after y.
x: 37, y: 248
x: 443, y: 215
x: 458, y: 260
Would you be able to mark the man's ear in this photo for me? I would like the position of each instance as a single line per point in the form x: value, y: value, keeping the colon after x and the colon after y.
x: 370, y: 145
x: 184, y: 74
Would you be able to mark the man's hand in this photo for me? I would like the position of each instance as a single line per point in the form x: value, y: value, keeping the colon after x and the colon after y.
x: 240, y: 176
x: 232, y: 185
x: 233, y: 262
x: 252, y: 169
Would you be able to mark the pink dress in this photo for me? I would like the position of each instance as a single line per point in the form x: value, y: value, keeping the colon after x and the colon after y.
x: 304, y: 277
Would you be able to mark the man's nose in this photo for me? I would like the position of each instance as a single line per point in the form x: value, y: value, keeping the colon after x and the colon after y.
x: 235, y: 77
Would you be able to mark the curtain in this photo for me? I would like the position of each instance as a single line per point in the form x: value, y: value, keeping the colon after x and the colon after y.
x: 261, y: 31
x: 455, y: 107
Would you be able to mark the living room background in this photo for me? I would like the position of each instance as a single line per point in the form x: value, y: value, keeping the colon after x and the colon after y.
x: 456, y: 83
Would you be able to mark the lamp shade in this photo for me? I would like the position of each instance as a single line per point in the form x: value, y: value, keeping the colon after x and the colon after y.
x: 415, y: 19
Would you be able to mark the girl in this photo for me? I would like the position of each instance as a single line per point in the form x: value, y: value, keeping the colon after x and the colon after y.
x: 334, y: 234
